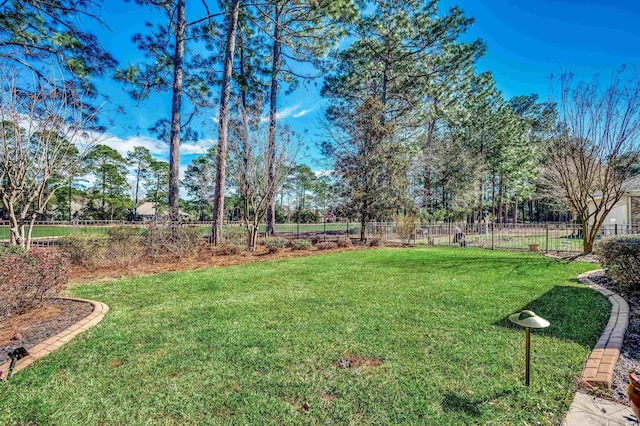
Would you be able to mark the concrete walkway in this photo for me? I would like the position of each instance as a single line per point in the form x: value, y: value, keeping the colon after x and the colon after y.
x: 587, y: 410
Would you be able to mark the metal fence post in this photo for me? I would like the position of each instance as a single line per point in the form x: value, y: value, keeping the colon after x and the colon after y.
x: 615, y: 229
x: 547, y: 239
x: 493, y: 228
x: 298, y: 230
x: 324, y: 230
x: 449, y: 232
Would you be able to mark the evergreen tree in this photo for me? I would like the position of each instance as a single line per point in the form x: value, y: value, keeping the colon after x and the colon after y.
x: 301, y: 31
x: 157, y: 183
x: 369, y: 166
x: 110, y: 187
x: 37, y: 35
x: 140, y: 160
x: 199, y: 181
x: 171, y: 66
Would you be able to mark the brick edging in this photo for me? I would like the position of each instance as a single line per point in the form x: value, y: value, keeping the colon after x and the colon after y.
x: 602, y: 361
x: 45, y: 347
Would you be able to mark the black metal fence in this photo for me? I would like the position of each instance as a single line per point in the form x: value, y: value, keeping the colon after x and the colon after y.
x: 47, y: 233
x: 546, y: 237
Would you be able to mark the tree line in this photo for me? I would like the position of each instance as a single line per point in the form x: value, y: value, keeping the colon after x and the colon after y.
x: 411, y: 126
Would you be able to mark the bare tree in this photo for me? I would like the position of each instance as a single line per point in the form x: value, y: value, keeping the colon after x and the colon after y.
x: 43, y: 139
x: 595, y: 146
x: 250, y: 163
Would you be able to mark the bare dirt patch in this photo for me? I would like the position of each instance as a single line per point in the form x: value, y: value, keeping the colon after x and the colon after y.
x: 40, y: 323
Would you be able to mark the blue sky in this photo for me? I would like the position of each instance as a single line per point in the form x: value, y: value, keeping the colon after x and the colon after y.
x: 527, y: 41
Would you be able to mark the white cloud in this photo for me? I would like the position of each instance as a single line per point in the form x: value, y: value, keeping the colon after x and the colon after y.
x: 322, y: 173
x: 303, y: 112
x: 125, y: 145
x: 192, y: 148
x: 284, y: 113
x: 155, y: 146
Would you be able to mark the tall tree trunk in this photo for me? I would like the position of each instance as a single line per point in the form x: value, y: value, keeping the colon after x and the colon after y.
x: 480, y: 199
x: 176, y: 107
x: 70, y: 188
x: 500, y: 200
x: 363, y: 224
x: 138, y: 172
x: 273, y: 98
x: 493, y: 197
x: 426, y: 152
x: 244, y: 185
x: 104, y: 190
x: 223, y: 124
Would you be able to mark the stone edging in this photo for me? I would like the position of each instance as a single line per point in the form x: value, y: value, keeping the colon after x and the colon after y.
x: 602, y: 361
x: 44, y: 348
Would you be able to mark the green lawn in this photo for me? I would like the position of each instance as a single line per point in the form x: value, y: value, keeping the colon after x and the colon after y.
x: 47, y: 231
x: 257, y: 343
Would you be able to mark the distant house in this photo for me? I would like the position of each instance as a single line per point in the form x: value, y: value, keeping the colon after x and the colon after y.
x: 627, y: 210
x: 147, y: 213
x: 328, y: 217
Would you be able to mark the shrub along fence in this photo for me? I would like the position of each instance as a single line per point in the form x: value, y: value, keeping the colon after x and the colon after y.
x: 48, y: 233
x: 541, y: 236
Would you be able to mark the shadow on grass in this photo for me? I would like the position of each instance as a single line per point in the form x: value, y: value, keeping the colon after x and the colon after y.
x: 578, y: 314
x: 457, y: 403
x: 464, y: 257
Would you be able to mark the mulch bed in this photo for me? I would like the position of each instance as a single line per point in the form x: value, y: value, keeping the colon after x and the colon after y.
x: 40, y: 323
x: 630, y: 355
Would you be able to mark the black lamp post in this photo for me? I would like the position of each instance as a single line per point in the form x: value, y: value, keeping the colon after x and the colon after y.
x: 528, y: 320
x: 15, y: 355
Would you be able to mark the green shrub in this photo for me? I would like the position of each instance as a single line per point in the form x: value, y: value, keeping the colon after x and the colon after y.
x: 344, y: 242
x: 620, y: 258
x: 10, y: 249
x: 300, y: 244
x: 28, y: 277
x: 84, y: 248
x: 327, y: 245
x: 275, y: 244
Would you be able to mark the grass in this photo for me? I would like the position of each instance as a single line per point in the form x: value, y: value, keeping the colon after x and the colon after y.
x: 258, y: 343
x: 47, y: 231
x: 517, y: 241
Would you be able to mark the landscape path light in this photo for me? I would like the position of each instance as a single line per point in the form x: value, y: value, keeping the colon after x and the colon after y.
x: 528, y: 320
x: 15, y: 356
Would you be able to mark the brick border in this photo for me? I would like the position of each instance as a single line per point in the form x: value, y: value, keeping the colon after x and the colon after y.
x: 602, y: 361
x: 45, y: 347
